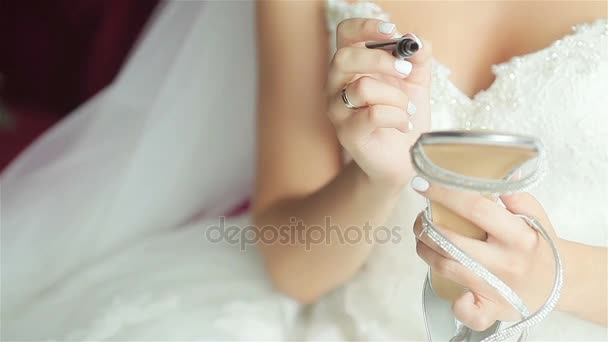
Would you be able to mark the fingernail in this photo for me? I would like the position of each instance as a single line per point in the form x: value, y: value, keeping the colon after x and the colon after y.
x: 404, y: 67
x: 386, y: 28
x: 410, y: 126
x: 411, y: 108
x: 420, y: 184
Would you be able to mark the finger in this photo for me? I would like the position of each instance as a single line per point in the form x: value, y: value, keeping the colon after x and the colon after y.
x: 456, y: 272
x: 425, y: 51
x: 422, y: 62
x: 524, y: 203
x: 355, y: 30
x: 351, y: 61
x: 482, y: 211
x: 476, y: 249
x: 368, y: 91
x: 476, y: 312
x: 365, y: 121
x: 449, y: 268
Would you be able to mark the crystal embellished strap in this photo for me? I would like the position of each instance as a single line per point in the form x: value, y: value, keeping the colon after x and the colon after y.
x: 520, y: 328
x: 428, y: 170
x: 479, y: 270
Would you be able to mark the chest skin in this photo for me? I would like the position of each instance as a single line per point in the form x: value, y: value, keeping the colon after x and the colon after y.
x: 471, y: 36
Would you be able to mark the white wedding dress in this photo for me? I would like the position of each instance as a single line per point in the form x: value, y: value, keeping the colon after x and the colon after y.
x: 103, y: 219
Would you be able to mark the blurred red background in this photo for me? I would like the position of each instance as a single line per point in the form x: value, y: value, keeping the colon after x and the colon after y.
x: 56, y: 55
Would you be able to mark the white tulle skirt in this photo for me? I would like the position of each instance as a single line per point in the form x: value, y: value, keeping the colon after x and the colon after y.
x: 103, y: 217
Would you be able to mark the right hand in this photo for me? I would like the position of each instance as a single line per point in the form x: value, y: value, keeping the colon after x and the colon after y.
x: 378, y: 135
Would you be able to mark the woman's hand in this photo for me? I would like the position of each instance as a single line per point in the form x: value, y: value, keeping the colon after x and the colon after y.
x: 514, y: 252
x: 391, y: 96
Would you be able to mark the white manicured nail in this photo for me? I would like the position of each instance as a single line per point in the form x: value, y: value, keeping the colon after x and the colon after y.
x: 386, y: 28
x: 420, y: 184
x: 410, y: 126
x: 411, y: 108
x: 404, y: 67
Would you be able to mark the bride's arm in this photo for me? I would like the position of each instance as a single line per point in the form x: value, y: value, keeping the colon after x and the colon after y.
x: 585, y: 281
x: 299, y: 170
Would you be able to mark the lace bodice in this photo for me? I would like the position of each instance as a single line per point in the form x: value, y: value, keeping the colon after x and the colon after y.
x: 558, y: 94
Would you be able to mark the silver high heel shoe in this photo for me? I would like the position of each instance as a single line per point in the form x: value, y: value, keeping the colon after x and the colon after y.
x: 488, y: 163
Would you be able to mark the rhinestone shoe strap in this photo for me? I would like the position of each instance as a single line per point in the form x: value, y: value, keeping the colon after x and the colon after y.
x: 439, y: 175
x: 504, y: 290
x: 551, y: 301
x: 428, y: 170
x: 479, y: 270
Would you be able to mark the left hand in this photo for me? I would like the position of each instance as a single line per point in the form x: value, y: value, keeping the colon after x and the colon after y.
x: 513, y: 251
